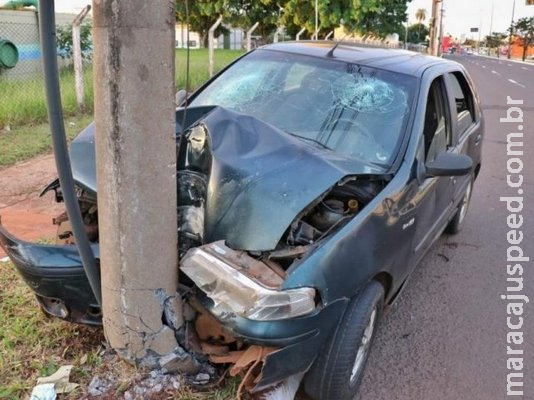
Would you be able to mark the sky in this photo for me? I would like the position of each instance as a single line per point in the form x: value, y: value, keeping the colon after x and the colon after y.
x: 460, y: 15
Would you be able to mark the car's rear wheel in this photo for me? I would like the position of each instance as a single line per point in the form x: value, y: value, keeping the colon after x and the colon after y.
x: 457, y: 221
x: 338, y: 370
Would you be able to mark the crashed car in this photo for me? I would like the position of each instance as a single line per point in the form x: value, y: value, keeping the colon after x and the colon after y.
x: 312, y: 178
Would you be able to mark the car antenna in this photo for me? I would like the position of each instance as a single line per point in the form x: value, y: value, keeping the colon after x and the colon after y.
x: 330, y: 53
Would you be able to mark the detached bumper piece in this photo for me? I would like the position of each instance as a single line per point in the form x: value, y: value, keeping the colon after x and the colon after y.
x: 56, y: 276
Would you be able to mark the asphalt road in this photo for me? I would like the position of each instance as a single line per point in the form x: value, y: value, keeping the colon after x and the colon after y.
x: 445, y: 338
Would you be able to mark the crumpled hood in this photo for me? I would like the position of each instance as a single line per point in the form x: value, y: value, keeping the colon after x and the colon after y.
x: 260, y: 177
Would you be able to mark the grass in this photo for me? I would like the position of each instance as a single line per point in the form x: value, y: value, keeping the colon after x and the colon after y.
x: 32, y: 345
x: 198, y: 65
x: 23, y: 115
x: 22, y: 102
x: 27, y: 141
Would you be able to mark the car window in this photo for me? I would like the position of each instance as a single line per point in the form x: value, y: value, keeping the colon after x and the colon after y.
x: 354, y: 110
x: 463, y: 99
x: 437, y: 134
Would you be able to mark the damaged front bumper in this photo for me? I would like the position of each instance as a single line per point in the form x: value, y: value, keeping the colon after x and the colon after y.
x: 56, y: 276
x: 245, y: 295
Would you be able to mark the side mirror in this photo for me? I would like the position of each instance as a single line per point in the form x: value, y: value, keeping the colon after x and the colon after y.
x: 180, y: 97
x: 449, y: 164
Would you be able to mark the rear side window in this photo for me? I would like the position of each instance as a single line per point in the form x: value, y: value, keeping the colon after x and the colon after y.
x: 464, y: 101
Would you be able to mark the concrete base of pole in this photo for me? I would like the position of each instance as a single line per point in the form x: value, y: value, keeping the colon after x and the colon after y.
x: 136, y: 174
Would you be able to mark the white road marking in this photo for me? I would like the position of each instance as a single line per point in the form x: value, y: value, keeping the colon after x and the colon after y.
x: 525, y: 68
x: 516, y: 83
x: 509, y: 65
x: 484, y: 67
x: 495, y: 72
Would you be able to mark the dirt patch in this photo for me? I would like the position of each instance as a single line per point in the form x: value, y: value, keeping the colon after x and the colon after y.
x: 23, y: 212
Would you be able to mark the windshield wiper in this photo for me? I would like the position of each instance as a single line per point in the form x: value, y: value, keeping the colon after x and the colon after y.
x: 324, y: 146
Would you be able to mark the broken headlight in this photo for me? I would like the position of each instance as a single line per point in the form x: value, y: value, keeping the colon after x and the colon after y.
x: 233, y: 291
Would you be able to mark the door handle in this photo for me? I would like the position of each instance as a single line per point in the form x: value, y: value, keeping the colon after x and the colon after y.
x: 478, y: 139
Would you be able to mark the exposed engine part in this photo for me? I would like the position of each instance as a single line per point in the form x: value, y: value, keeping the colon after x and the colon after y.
x: 329, y: 212
x: 302, y: 233
x: 192, y: 189
x: 194, y: 158
x: 90, y: 220
x: 325, y: 216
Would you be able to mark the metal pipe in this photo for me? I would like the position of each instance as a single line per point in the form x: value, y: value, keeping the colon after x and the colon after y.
x: 59, y: 143
x: 211, y: 33
x: 297, y: 38
x: 316, y: 34
x: 249, y: 35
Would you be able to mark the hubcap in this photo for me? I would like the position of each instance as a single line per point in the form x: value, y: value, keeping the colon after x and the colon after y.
x: 364, y: 346
x: 465, y: 203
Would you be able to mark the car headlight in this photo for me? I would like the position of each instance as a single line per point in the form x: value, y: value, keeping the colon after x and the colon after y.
x: 233, y: 291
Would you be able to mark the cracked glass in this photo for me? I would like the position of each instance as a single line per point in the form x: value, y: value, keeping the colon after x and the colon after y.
x: 354, y: 110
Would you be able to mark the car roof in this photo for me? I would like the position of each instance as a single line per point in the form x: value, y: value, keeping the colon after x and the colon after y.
x: 396, y: 60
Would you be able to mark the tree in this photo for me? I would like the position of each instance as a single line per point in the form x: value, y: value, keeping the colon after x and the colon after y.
x: 417, y: 33
x: 524, y: 30
x: 420, y: 15
x: 245, y: 13
x: 202, y: 15
x: 300, y: 14
x: 383, y: 17
x: 495, y: 40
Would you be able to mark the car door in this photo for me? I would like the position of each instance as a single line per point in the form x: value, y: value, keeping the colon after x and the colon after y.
x: 433, y: 200
x: 467, y: 132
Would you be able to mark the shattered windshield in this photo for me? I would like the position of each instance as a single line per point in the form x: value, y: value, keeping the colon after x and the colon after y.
x: 354, y: 110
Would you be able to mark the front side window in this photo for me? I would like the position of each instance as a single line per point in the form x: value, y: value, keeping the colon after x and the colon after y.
x: 436, y: 133
x: 353, y: 110
x: 463, y: 100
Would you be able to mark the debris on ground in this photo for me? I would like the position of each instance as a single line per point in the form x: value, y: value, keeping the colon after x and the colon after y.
x: 44, y: 391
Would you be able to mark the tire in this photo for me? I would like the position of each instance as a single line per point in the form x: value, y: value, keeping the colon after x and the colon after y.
x: 338, y: 370
x: 457, y: 222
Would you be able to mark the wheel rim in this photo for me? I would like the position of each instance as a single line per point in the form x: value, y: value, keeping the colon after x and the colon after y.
x: 363, y: 349
x: 465, y: 203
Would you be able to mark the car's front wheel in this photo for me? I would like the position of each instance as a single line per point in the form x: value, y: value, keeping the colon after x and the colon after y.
x: 338, y: 370
x: 457, y: 222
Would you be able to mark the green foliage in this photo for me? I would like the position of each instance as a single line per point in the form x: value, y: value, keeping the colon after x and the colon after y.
x: 524, y: 29
x: 202, y: 15
x: 366, y: 17
x: 64, y: 40
x: 496, y: 39
x: 383, y: 17
x: 417, y: 33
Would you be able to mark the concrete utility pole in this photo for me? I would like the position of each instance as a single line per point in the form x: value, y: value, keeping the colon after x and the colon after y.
x: 78, y: 57
x: 434, y: 28
x: 136, y: 177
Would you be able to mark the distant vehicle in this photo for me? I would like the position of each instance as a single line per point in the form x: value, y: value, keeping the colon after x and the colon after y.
x: 312, y: 178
